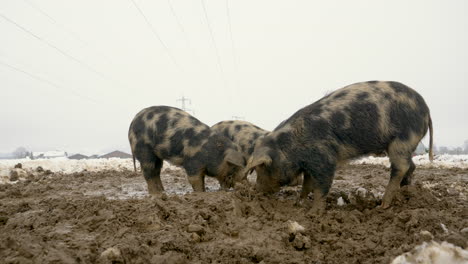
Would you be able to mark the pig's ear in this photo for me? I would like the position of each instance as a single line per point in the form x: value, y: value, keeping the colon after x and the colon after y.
x: 235, y: 158
x: 257, y: 160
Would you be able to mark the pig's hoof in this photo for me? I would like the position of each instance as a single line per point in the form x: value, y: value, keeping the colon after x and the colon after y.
x: 385, y: 205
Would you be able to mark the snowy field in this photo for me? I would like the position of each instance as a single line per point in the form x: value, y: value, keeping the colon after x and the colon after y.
x: 65, y: 165
x: 440, y: 161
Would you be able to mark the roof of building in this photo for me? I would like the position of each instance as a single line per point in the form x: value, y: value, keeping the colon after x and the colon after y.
x: 78, y: 156
x: 116, y: 154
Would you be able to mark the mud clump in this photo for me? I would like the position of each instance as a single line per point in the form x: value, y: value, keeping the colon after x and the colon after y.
x: 108, y: 217
x: 39, y: 169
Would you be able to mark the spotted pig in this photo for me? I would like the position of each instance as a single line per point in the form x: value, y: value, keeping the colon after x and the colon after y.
x: 166, y: 133
x: 241, y: 132
x: 359, y: 119
x: 245, y: 134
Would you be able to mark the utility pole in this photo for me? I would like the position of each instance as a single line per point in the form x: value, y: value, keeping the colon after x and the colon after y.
x: 184, y: 106
x: 238, y: 117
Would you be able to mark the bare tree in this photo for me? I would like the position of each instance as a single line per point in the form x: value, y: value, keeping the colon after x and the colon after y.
x: 20, y: 153
x: 456, y: 151
x: 443, y: 150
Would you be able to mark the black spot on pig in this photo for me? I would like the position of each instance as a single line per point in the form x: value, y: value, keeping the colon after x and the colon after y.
x: 284, y: 140
x: 316, y: 128
x: 400, y: 88
x: 150, y: 133
x: 340, y: 94
x: 387, y: 96
x: 194, y: 121
x: 196, y: 139
x: 150, y: 116
x: 238, y: 127
x: 189, y: 133
x: 362, y: 96
x: 138, y: 126
x: 161, y: 124
x: 143, y: 152
x: 338, y: 120
x: 405, y: 120
x: 226, y: 133
x: 173, y: 122
x: 316, y: 111
x: 255, y: 135
x: 364, y: 132
x: 163, y: 109
x: 176, y: 144
x: 251, y: 149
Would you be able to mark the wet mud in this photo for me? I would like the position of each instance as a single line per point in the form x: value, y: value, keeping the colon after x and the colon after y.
x: 107, y: 217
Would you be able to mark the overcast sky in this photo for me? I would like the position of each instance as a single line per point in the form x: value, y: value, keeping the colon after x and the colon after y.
x: 73, y: 74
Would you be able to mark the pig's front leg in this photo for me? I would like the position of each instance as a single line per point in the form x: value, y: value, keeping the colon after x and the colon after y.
x: 197, y: 181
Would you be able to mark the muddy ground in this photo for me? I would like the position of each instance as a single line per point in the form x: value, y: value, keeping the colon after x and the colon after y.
x: 107, y: 217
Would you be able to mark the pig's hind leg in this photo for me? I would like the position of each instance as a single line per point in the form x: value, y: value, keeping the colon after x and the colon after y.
x: 151, y: 166
x: 307, y: 187
x: 320, y: 183
x: 152, y: 173
x: 408, y: 175
x: 402, y: 168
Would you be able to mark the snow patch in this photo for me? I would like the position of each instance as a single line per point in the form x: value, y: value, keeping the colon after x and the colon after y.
x: 440, y: 161
x: 65, y: 165
x: 434, y: 253
x: 340, y: 201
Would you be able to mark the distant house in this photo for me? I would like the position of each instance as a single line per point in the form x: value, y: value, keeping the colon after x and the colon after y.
x: 78, y: 157
x: 116, y: 154
x: 48, y: 154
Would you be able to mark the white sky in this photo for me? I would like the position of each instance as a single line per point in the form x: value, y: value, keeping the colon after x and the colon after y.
x: 288, y: 55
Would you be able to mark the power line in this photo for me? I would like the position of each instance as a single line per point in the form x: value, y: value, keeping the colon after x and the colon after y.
x: 155, y: 33
x: 181, y: 27
x: 84, y: 43
x: 238, y: 117
x: 40, y: 79
x: 234, y: 57
x: 54, y: 47
x: 213, y: 41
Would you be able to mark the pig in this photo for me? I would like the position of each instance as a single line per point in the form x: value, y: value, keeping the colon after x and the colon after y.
x: 359, y: 119
x: 241, y: 132
x: 160, y: 133
x: 245, y: 134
